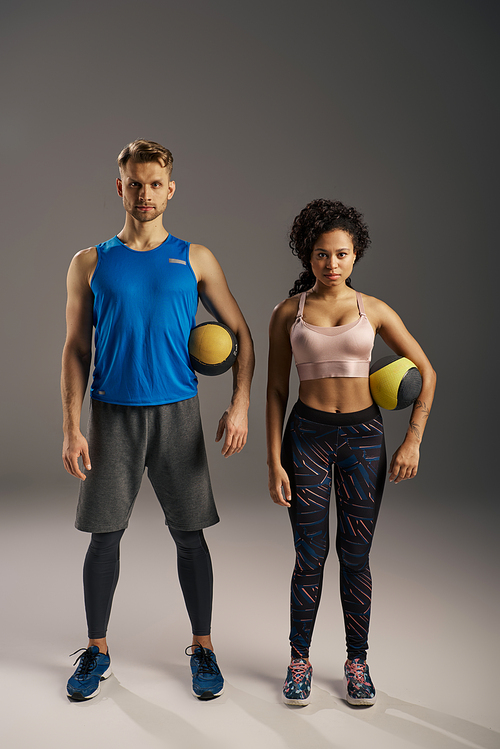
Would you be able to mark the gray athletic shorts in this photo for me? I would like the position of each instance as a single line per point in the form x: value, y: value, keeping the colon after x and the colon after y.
x: 168, y: 441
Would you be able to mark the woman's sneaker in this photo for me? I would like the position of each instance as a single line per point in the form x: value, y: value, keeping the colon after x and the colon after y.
x: 208, y: 681
x: 93, y: 667
x: 297, y: 686
x: 358, y: 684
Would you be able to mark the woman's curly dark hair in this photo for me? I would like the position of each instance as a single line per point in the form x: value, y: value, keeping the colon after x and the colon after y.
x: 315, y: 219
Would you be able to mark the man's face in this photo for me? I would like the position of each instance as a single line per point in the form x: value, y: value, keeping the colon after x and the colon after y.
x: 145, y: 189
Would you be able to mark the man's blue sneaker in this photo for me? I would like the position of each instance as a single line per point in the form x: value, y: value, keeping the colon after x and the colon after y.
x: 208, y: 681
x: 297, y: 686
x: 93, y: 667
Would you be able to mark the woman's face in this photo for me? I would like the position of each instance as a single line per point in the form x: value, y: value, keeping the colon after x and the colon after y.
x: 332, y: 258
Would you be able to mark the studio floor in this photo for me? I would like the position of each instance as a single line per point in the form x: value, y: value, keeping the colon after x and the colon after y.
x: 432, y: 606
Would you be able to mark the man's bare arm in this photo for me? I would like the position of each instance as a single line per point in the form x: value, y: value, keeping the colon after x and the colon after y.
x: 218, y: 300
x: 76, y: 359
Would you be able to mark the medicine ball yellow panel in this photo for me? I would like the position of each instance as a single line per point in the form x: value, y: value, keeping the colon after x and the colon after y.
x: 395, y: 382
x: 213, y: 348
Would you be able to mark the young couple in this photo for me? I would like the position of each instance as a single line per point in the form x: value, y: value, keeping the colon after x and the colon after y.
x: 138, y: 294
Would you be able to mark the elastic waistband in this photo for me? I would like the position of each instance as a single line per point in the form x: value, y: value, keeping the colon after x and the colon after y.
x: 336, y: 419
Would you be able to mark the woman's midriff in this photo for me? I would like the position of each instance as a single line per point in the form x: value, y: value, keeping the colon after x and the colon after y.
x: 337, y: 394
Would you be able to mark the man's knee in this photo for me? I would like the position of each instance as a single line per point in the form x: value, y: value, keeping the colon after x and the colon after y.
x: 189, y: 541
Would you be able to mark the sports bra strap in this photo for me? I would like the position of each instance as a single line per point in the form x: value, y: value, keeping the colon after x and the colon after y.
x: 302, y: 302
x: 359, y: 300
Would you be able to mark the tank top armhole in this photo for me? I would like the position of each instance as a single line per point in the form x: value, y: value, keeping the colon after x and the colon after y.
x: 188, y: 260
x: 97, y: 247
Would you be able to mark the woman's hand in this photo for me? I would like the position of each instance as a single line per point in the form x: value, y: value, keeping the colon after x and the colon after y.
x: 404, y: 463
x: 279, y: 486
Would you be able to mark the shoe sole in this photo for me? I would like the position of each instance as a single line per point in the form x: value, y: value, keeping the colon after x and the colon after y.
x: 205, y: 696
x: 367, y: 701
x: 79, y: 697
x: 297, y: 702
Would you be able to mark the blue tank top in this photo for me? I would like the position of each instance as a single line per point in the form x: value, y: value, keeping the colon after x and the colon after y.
x: 144, y: 309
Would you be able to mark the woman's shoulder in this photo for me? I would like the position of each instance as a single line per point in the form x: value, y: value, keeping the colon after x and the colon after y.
x: 285, y: 312
x: 288, y: 306
x: 376, y: 309
x: 371, y: 302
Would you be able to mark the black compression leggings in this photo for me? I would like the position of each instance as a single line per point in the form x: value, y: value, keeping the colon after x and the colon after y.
x: 102, y: 566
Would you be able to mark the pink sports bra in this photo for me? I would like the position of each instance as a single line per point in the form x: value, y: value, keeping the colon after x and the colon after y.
x: 341, y: 351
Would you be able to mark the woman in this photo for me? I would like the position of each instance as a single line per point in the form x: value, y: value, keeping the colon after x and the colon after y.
x: 330, y: 328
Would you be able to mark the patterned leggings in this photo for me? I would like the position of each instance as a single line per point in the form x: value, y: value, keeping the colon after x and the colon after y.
x: 354, y: 444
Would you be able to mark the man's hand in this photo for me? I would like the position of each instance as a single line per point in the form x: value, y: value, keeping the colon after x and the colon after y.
x: 234, y: 423
x: 74, y: 446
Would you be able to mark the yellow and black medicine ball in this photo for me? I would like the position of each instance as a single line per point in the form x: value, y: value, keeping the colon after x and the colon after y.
x: 395, y: 382
x: 213, y: 348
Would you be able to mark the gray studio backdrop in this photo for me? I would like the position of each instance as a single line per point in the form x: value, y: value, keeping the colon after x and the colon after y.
x: 385, y: 105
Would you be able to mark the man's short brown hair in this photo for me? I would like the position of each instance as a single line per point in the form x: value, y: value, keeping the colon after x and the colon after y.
x: 146, y: 150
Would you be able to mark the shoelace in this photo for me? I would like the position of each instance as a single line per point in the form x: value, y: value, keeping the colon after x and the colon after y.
x: 205, y: 663
x: 299, y: 670
x: 87, y: 660
x: 357, y: 671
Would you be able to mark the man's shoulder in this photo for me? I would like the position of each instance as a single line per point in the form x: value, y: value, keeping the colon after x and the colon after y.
x: 83, y: 265
x: 201, y: 254
x: 199, y: 249
x: 86, y: 257
x: 91, y: 254
x: 203, y: 261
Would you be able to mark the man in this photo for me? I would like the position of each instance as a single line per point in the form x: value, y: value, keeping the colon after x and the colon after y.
x: 140, y: 291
